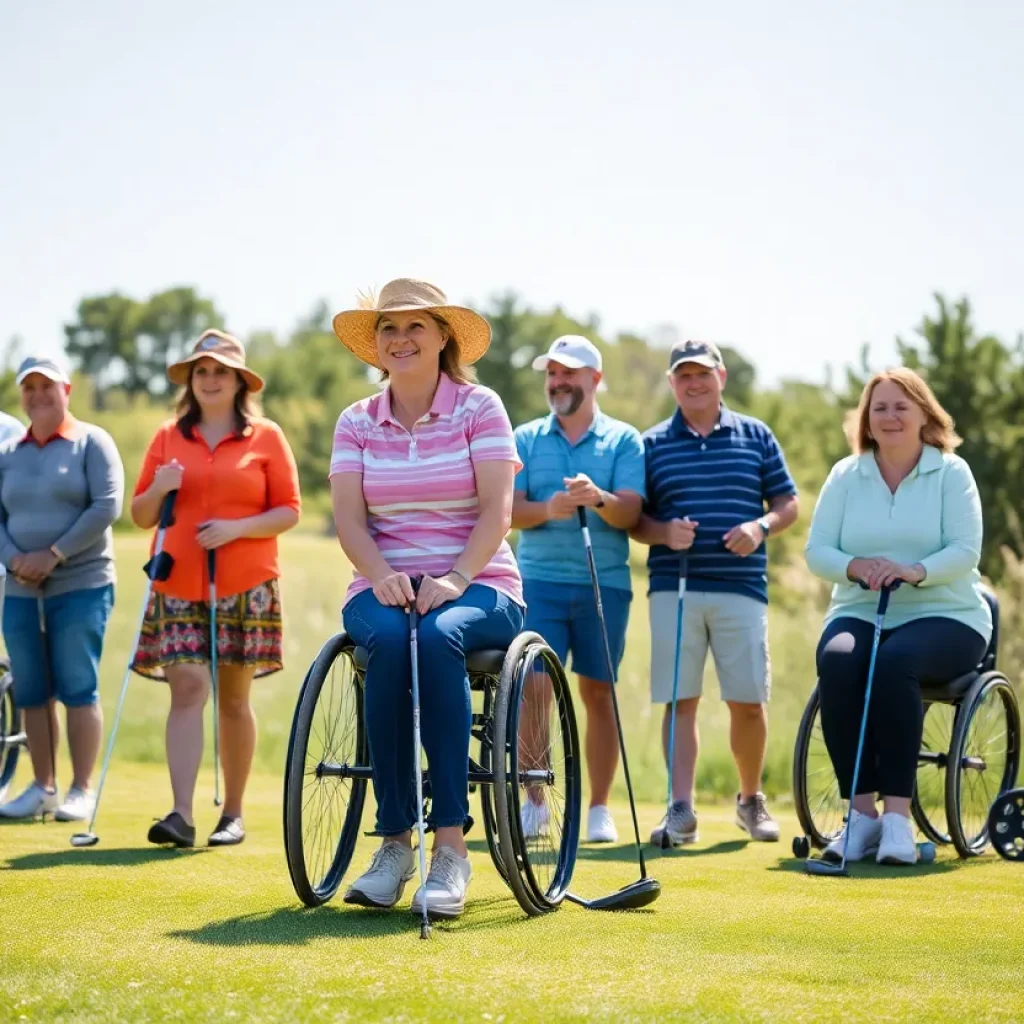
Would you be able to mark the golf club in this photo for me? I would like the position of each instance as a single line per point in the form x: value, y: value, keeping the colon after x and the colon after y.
x: 817, y: 866
x: 414, y: 617
x: 666, y: 842
x: 644, y: 890
x: 211, y: 564
x: 157, y: 568
x: 51, y: 709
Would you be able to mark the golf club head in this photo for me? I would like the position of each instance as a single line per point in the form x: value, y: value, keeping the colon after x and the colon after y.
x: 817, y: 866
x: 424, y: 930
x: 630, y: 897
x: 84, y: 839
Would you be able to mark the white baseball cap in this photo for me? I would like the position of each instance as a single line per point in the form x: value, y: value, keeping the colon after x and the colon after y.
x: 572, y: 350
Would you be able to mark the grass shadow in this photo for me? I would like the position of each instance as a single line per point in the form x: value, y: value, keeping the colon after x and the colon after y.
x: 95, y: 857
x: 725, y: 846
x: 872, y: 871
x: 298, y: 926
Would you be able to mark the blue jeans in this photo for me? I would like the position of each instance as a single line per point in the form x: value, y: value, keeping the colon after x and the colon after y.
x: 482, y: 618
x: 76, y: 623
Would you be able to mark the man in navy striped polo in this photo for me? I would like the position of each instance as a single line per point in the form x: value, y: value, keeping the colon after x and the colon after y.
x: 710, y: 475
x: 576, y: 457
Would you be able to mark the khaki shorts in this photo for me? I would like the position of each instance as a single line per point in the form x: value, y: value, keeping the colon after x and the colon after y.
x: 735, y: 627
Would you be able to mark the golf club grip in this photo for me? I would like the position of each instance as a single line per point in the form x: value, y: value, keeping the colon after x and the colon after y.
x: 211, y: 563
x: 883, y: 597
x: 167, y: 509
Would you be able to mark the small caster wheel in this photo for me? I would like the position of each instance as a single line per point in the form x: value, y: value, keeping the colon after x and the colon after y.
x: 801, y: 847
x: 926, y: 853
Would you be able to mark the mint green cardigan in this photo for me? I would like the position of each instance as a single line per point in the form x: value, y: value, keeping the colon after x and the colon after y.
x: 934, y: 518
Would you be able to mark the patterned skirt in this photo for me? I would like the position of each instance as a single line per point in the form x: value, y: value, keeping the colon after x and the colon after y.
x: 177, y: 632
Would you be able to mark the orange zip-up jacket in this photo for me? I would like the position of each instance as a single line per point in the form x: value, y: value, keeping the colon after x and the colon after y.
x: 244, y: 475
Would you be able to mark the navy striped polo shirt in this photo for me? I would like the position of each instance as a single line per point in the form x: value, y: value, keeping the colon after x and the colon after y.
x: 720, y: 481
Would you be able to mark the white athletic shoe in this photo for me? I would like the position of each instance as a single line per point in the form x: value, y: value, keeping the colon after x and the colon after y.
x: 35, y: 802
x: 897, y: 845
x: 534, y: 818
x: 381, y: 885
x: 445, y: 891
x: 600, y: 827
x: 78, y: 805
x: 865, y: 835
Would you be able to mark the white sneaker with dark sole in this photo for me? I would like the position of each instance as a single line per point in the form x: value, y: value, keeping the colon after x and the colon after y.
x: 445, y: 891
x: 34, y: 803
x: 78, y: 805
x: 897, y: 845
x: 600, y: 827
x: 865, y: 835
x: 382, y: 884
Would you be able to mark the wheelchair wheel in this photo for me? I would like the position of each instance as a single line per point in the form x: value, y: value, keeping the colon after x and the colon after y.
x: 12, y: 737
x: 323, y: 799
x: 983, y: 760
x: 928, y: 804
x: 819, y: 806
x: 487, y: 809
x: 537, y: 758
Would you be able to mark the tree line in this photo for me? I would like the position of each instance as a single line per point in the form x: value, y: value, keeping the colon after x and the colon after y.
x: 121, y: 346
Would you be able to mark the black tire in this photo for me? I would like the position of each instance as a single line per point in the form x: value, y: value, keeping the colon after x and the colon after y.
x: 11, y: 732
x: 317, y: 861
x: 488, y: 813
x: 928, y: 803
x: 983, y: 760
x: 539, y: 870
x: 819, y: 807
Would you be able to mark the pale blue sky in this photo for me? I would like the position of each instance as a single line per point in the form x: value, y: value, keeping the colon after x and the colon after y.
x: 792, y: 179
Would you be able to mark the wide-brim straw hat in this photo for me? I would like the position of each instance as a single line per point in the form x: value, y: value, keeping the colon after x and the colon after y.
x: 225, y: 349
x: 357, y: 328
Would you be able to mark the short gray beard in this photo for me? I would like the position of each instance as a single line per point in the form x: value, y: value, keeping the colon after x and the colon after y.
x: 565, y: 405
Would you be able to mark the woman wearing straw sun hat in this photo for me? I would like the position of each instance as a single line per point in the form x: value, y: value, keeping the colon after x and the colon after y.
x: 238, y: 489
x: 421, y: 481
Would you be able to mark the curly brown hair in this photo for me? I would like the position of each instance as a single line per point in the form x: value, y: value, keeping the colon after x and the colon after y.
x: 938, y: 429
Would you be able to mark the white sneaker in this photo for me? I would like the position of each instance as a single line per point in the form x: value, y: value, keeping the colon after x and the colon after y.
x: 600, y: 827
x: 865, y: 834
x: 534, y: 818
x: 897, y: 845
x: 78, y: 805
x: 381, y: 885
x: 35, y: 802
x: 445, y: 891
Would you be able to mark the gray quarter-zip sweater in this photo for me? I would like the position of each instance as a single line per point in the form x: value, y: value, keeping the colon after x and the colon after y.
x: 67, y: 492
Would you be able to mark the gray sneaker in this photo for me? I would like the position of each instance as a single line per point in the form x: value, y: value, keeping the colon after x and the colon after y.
x: 680, y: 824
x: 382, y: 884
x: 753, y: 817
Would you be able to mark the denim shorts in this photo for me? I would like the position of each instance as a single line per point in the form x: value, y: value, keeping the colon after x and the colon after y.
x: 75, y: 626
x: 565, y: 614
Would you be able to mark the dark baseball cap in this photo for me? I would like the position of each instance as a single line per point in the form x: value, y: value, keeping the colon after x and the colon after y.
x: 704, y: 353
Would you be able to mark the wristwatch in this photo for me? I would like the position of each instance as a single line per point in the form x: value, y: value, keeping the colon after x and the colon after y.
x: 765, y: 525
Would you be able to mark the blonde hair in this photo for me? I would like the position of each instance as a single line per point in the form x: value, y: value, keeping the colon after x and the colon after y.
x: 938, y: 428
x: 450, y: 357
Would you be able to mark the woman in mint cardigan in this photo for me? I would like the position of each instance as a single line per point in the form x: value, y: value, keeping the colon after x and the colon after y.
x: 902, y: 507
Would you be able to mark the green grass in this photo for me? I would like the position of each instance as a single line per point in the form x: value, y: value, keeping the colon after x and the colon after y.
x: 125, y: 932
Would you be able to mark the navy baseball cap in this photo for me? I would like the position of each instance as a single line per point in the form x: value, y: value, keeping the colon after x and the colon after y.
x: 703, y: 353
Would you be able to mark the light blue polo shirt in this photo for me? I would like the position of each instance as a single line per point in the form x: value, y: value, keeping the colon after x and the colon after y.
x: 611, y: 453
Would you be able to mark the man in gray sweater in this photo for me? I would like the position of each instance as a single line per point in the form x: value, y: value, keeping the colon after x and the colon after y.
x: 61, y: 488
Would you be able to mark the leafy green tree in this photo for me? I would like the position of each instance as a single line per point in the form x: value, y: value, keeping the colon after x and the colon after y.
x: 101, y: 341
x: 167, y: 328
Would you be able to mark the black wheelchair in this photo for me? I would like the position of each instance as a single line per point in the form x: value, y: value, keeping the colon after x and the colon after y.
x: 970, y: 754
x: 12, y: 735
x: 524, y: 723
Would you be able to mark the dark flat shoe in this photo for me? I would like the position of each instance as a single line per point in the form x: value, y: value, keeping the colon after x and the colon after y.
x: 173, y: 830
x: 229, y: 832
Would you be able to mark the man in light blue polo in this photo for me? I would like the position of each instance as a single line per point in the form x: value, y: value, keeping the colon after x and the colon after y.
x: 577, y: 457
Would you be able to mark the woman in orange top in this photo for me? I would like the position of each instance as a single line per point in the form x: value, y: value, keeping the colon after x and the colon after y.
x: 238, y: 488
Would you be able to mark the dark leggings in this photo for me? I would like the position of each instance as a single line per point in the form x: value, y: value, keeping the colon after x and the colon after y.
x: 929, y: 650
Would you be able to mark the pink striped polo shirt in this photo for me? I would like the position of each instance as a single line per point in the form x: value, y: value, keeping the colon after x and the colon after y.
x: 419, y: 487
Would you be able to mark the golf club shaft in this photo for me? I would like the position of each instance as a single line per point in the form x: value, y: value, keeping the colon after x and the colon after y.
x: 166, y: 512
x: 582, y: 514
x: 417, y: 752
x: 675, y: 682
x: 51, y: 708
x: 211, y: 564
x: 883, y: 603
